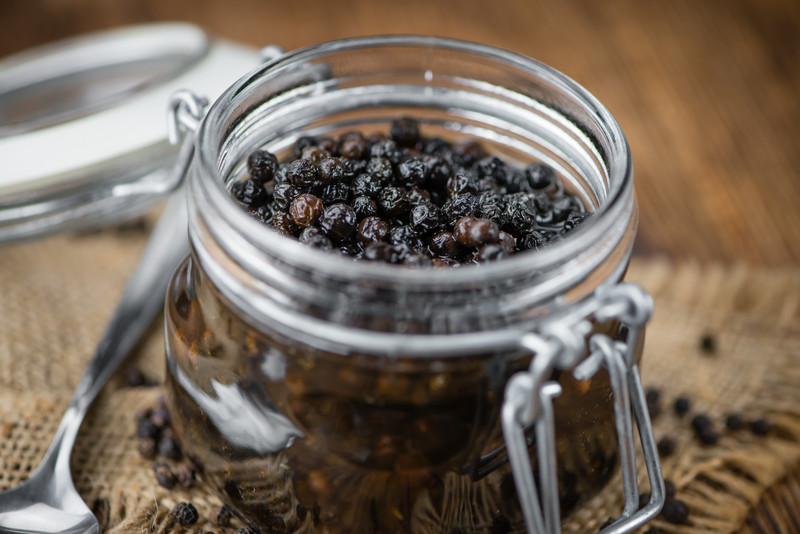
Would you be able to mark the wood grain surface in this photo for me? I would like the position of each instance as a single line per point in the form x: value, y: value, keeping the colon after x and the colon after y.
x: 707, y: 91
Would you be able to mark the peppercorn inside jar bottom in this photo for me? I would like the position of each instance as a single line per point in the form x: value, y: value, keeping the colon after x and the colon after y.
x: 297, y: 440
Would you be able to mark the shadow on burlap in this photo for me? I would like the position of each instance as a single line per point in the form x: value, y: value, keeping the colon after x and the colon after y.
x: 49, y: 328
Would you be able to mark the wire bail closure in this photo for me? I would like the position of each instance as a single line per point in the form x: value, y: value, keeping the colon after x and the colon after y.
x: 529, y: 401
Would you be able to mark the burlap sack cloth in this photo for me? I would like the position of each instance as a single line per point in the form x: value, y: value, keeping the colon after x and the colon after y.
x: 57, y: 294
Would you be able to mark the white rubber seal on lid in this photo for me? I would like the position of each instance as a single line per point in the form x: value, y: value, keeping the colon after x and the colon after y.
x: 114, y: 88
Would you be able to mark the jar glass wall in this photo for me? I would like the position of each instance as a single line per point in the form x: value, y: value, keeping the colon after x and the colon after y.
x: 361, y: 397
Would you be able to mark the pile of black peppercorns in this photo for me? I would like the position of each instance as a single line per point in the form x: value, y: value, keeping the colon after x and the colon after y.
x: 407, y: 199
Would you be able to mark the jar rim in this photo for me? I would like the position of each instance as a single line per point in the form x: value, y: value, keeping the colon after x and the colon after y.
x: 579, y: 243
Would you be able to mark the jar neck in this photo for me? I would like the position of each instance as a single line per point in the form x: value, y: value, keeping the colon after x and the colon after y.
x: 280, y: 283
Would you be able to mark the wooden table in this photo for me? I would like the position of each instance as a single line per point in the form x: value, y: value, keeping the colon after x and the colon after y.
x: 708, y: 92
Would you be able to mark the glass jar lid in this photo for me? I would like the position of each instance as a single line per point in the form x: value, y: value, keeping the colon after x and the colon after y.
x: 83, y: 128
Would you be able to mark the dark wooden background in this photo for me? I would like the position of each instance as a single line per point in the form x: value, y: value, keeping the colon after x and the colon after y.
x: 707, y: 91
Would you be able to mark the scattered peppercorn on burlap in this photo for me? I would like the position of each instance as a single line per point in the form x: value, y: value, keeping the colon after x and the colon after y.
x: 56, y: 295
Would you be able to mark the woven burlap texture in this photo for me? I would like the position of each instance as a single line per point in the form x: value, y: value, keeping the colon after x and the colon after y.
x: 56, y: 295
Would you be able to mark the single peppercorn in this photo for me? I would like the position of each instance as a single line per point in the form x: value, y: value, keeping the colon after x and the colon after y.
x: 413, y: 172
x: 282, y: 222
x: 283, y: 194
x: 147, y: 448
x: 666, y: 446
x: 393, y: 201
x: 185, y: 514
x: 251, y: 193
x: 387, y: 149
x: 302, y: 172
x: 734, y: 422
x: 458, y: 206
x: 669, y: 488
x: 164, y: 476
x: 186, y: 476
x: 444, y: 245
x: 380, y: 168
x: 145, y: 428
x: 682, y: 406
x: 653, y: 399
x: 425, y: 218
x: 338, y: 221
x: 760, y: 426
x: 404, y: 235
x: 468, y: 152
x: 372, y: 230
x: 134, y: 377
x: 168, y: 448
x: 335, y: 193
x: 462, y: 182
x: 675, y: 511
x: 315, y: 154
x: 539, y: 176
x: 305, y: 210
x: 473, y: 232
x: 704, y: 430
x: 262, y: 165
x: 331, y: 170
x: 405, y: 131
x: 220, y: 516
x: 708, y: 343
x: 353, y: 147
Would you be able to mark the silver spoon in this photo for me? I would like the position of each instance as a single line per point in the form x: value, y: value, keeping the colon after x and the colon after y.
x: 47, y: 502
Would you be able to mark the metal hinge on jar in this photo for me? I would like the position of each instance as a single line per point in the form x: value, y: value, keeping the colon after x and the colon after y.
x: 529, y: 403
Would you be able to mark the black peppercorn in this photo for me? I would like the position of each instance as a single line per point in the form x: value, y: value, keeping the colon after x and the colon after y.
x: 185, y: 514
x: 393, y: 201
x: 134, y: 377
x: 682, y: 406
x: 734, y: 422
x: 331, y: 170
x: 666, y: 446
x: 444, y: 245
x: 251, y: 193
x: 147, y: 448
x: 164, y: 475
x: 367, y: 185
x: 405, y: 131
x: 539, y: 176
x: 472, y: 231
x: 168, y: 447
x: 305, y: 210
x: 708, y: 343
x: 186, y: 476
x: 220, y: 516
x: 338, y: 221
x: 404, y: 235
x: 372, y: 230
x: 675, y: 511
x: 425, y: 218
x: 760, y: 427
x: 462, y: 182
x: 262, y: 165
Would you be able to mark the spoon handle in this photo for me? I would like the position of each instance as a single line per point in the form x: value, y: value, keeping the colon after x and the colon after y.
x: 142, y: 300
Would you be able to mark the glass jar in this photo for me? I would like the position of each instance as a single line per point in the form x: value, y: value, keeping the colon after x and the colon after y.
x: 329, y: 395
